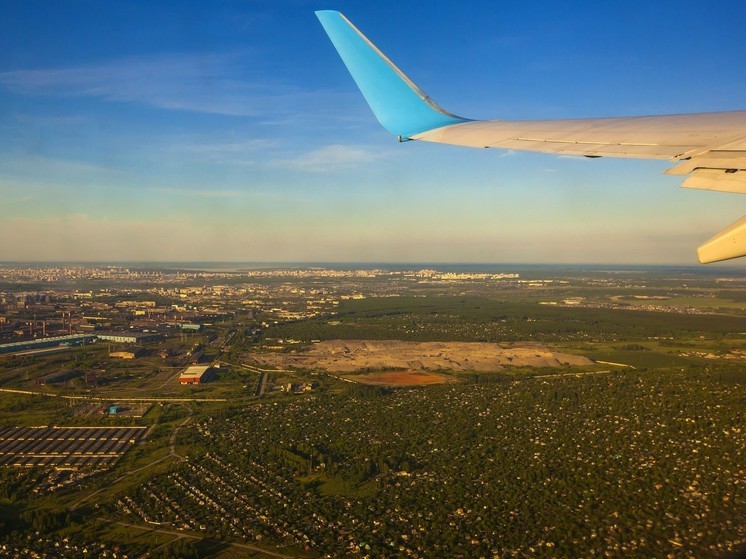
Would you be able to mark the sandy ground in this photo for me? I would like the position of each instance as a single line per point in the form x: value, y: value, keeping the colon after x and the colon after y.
x: 359, y: 355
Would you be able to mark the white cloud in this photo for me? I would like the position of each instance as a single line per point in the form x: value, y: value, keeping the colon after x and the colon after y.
x: 243, y: 153
x: 43, y: 121
x: 248, y: 193
x: 53, y: 166
x: 331, y: 158
x: 203, y: 193
x: 248, y: 146
x: 225, y: 84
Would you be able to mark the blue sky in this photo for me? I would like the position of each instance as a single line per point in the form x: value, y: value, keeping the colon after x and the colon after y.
x: 186, y: 131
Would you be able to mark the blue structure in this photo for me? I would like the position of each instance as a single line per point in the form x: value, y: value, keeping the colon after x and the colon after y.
x: 72, y: 340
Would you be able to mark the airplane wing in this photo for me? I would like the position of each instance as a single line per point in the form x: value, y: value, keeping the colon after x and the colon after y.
x: 708, y: 148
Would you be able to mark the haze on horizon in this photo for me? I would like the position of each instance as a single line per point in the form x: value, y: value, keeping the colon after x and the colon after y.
x: 232, y: 132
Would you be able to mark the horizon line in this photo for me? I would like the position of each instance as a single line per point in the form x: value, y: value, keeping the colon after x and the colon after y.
x: 722, y: 265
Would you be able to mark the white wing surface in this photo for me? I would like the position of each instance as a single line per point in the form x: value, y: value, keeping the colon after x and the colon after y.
x: 708, y: 148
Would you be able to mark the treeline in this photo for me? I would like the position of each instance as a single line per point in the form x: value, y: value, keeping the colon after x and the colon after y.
x: 450, y: 318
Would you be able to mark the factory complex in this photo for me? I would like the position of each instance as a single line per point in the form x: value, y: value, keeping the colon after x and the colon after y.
x: 80, y: 339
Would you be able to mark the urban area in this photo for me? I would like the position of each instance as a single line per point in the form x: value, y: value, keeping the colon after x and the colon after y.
x: 422, y: 411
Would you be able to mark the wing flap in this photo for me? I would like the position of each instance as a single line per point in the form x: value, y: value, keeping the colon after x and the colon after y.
x: 717, y: 179
x: 715, y: 159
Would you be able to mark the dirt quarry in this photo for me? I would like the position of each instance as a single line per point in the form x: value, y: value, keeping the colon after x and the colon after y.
x: 359, y: 355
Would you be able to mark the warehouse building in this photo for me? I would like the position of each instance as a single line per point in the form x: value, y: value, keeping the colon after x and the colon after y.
x: 196, y: 374
x: 129, y: 352
x: 137, y: 338
x: 72, y: 340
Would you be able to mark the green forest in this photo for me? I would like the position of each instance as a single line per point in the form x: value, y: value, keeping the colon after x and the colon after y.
x: 629, y: 464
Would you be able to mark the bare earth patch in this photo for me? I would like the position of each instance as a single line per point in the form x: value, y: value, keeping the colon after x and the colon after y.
x: 358, y: 355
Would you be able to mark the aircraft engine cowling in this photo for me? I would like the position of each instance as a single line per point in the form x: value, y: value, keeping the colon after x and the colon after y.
x: 729, y: 243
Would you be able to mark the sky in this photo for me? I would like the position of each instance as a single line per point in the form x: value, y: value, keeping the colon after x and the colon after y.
x: 231, y: 131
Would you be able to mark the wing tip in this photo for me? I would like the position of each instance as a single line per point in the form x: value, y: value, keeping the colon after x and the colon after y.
x: 397, y: 102
x: 326, y: 13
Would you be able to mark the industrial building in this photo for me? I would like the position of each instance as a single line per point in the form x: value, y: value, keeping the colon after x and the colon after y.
x: 130, y: 352
x: 131, y: 337
x: 196, y: 374
x: 73, y: 340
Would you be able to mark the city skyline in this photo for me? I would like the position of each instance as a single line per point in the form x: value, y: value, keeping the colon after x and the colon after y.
x: 233, y: 133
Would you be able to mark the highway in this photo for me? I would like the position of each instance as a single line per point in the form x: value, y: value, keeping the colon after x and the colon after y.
x: 179, y: 535
x: 112, y: 397
x: 261, y: 387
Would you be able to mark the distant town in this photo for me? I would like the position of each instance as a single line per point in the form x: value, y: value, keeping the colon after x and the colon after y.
x: 65, y: 315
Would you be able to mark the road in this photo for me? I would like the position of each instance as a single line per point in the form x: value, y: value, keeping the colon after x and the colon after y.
x: 262, y: 385
x: 179, y: 535
x: 111, y: 397
x: 575, y: 374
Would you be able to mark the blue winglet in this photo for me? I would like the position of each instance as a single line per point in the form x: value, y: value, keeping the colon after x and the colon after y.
x: 399, y: 105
